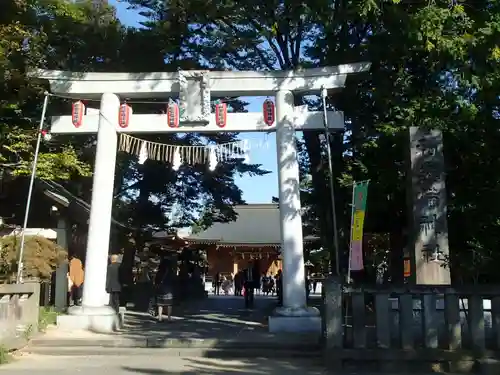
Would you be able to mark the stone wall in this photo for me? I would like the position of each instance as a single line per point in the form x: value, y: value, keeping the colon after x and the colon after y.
x: 19, y: 310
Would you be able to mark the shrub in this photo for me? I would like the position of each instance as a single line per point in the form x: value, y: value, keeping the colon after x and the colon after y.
x: 41, y: 257
x: 47, y: 317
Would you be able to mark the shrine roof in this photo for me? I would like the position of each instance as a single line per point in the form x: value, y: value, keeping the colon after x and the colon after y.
x: 256, y: 225
x: 62, y: 197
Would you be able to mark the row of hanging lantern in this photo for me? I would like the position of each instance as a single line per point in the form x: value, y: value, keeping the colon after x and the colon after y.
x: 124, y: 115
x: 173, y: 114
x: 221, y: 114
x: 268, y: 110
x: 77, y: 112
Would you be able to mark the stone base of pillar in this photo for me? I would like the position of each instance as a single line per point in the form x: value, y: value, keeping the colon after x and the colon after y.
x: 95, y: 319
x: 295, y: 320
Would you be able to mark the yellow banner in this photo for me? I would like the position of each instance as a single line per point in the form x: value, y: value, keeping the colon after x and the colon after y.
x: 357, y: 225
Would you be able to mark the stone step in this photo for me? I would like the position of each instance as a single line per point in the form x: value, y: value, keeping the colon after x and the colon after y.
x: 250, y: 352
x: 288, y: 342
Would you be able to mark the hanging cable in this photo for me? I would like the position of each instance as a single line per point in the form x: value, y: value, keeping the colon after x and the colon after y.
x: 19, y: 277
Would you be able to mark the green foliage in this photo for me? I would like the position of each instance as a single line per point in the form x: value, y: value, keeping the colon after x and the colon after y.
x: 40, y: 258
x: 27, y: 30
x: 57, y: 34
x: 47, y: 317
x: 5, y: 356
x: 434, y: 64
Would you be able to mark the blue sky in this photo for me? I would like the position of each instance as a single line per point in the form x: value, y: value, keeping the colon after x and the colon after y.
x: 255, y: 189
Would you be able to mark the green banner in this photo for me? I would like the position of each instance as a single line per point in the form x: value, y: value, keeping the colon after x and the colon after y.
x: 359, y: 198
x: 360, y: 192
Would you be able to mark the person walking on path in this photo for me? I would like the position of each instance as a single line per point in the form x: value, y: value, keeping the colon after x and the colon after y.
x: 279, y: 287
x: 165, y: 290
x: 251, y: 282
x: 113, y: 284
x: 76, y: 277
x: 248, y: 292
x: 238, y: 283
x: 218, y: 282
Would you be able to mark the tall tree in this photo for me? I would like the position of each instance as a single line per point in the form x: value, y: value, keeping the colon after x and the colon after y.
x: 434, y: 65
x: 262, y: 35
x: 55, y: 34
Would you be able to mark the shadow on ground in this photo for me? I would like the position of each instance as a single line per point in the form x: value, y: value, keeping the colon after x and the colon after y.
x: 215, y: 317
x: 217, y: 322
x: 198, y: 366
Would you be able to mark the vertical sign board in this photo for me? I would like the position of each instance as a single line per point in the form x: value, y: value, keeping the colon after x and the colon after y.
x: 359, y: 197
x: 429, y: 231
x: 194, y: 96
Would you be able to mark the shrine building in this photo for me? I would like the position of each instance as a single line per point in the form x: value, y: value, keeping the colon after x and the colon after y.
x: 254, y: 235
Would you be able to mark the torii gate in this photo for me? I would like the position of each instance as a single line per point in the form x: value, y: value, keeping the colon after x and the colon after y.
x: 194, y: 88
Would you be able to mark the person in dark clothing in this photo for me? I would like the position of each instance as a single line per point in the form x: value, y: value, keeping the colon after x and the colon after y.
x: 279, y: 287
x: 238, y: 284
x: 248, y: 287
x: 251, y: 277
x: 113, y: 284
x: 218, y: 282
x: 165, y: 290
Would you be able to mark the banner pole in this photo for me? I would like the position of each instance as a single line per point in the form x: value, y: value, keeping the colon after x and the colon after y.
x: 332, y: 187
x: 350, y: 239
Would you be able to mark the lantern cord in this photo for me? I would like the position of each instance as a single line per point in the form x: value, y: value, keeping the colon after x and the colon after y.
x: 128, y: 101
x: 192, y: 155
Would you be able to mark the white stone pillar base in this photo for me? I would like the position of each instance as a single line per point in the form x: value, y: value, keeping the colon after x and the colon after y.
x: 296, y: 311
x: 295, y: 320
x: 95, y: 319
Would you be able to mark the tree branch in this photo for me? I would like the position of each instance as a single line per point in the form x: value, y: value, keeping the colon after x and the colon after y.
x: 276, y: 49
x: 297, y: 42
x: 134, y: 185
x: 260, y: 53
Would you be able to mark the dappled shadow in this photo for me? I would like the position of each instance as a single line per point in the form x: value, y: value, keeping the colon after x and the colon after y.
x: 289, y: 201
x: 220, y: 319
x: 201, y: 366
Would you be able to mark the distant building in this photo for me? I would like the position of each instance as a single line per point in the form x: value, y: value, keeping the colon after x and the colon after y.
x: 255, y: 236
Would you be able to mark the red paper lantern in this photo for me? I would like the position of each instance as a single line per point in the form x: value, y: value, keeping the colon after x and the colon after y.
x: 173, y: 115
x: 124, y: 115
x: 77, y: 112
x: 268, y: 111
x: 221, y: 114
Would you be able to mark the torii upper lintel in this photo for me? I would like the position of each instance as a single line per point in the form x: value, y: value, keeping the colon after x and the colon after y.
x: 222, y: 83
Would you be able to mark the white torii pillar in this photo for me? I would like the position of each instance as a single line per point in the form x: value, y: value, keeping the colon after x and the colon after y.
x: 294, y: 315
x: 294, y: 290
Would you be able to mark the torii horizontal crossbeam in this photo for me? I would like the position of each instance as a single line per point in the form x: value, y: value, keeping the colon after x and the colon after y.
x: 236, y: 122
x: 222, y: 83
